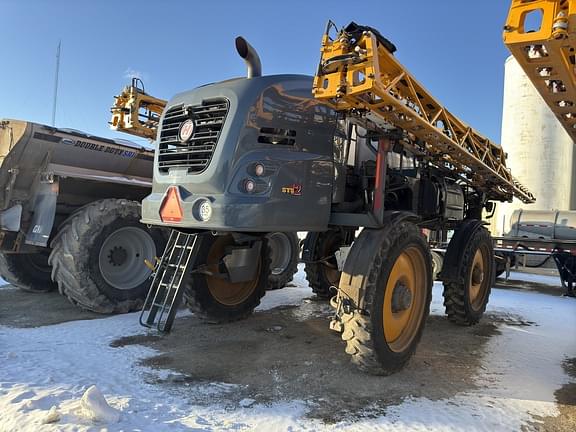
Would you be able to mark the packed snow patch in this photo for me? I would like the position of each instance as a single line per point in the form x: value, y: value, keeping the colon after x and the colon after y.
x: 53, y: 416
x: 94, y: 407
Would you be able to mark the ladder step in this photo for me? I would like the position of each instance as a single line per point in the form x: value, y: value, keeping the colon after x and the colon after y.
x: 168, y: 285
x: 182, y: 247
x: 159, y: 305
x: 165, y: 292
x: 176, y: 266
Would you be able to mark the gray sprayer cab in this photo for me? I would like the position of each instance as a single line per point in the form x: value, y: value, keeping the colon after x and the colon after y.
x: 69, y: 215
x: 238, y: 159
x: 240, y: 127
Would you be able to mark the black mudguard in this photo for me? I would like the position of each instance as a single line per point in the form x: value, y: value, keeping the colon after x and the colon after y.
x: 455, y: 251
x: 361, y: 255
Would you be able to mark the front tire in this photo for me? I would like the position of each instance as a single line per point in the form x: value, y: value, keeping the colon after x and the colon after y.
x: 215, y: 299
x: 382, y: 336
x: 28, y: 271
x: 98, y: 256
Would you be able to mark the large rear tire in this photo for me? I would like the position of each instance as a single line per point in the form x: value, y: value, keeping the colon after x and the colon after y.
x: 98, y: 256
x: 284, y: 254
x: 397, y: 290
x: 321, y: 266
x: 467, y: 292
x: 28, y: 271
x: 215, y: 299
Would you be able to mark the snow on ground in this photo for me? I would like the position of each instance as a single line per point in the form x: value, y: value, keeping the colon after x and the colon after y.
x: 46, y: 371
x: 535, y: 278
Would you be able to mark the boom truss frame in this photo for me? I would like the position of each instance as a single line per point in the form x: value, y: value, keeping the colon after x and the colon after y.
x: 359, y: 76
x: 135, y: 112
x: 547, y: 54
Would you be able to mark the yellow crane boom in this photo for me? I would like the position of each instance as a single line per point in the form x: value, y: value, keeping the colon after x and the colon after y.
x: 359, y: 75
x: 541, y: 35
x: 136, y: 112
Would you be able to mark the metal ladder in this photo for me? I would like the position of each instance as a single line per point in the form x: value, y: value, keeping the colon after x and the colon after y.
x: 165, y: 292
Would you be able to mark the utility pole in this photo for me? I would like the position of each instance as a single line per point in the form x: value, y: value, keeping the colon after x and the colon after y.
x: 56, y: 83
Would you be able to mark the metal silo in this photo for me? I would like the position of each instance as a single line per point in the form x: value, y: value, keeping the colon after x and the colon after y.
x: 540, y: 152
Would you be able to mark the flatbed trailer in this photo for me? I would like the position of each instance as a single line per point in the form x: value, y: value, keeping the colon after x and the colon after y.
x: 512, y: 250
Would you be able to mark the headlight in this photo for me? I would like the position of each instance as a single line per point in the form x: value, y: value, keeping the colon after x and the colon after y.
x: 205, y: 211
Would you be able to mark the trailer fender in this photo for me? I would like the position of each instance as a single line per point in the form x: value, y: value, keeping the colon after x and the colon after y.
x: 356, y: 267
x: 455, y: 251
x: 44, y: 212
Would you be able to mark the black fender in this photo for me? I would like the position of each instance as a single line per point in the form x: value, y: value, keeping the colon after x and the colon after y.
x: 366, y: 246
x: 308, y: 245
x: 44, y: 214
x: 455, y: 251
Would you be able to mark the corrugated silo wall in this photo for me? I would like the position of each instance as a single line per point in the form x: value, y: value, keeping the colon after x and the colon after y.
x: 540, y: 152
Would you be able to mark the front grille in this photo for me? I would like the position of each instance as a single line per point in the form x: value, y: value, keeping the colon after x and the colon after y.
x: 196, y: 153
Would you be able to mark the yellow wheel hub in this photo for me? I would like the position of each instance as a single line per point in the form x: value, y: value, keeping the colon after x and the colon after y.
x: 477, y: 284
x: 224, y: 291
x: 404, y: 299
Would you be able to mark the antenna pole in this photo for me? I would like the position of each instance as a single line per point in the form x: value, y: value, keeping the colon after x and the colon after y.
x: 56, y: 83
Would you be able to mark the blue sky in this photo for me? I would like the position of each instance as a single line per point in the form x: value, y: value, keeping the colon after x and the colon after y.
x: 454, y: 47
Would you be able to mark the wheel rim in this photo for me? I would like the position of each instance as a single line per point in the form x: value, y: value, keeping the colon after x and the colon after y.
x: 224, y: 291
x: 122, y: 255
x: 280, y: 252
x: 404, y: 299
x: 477, y: 281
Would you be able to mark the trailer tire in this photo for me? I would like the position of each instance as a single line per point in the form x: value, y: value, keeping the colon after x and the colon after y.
x: 379, y: 339
x: 98, y: 256
x: 284, y: 253
x: 320, y: 266
x: 216, y: 300
x: 28, y: 271
x: 467, y: 291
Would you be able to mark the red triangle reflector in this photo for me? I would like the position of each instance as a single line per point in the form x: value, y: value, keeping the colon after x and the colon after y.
x: 171, y: 210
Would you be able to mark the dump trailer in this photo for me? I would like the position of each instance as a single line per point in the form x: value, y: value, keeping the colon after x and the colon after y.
x: 361, y: 144
x: 70, y: 216
x: 137, y: 113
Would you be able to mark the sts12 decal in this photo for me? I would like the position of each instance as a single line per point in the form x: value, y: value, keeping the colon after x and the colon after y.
x: 293, y: 189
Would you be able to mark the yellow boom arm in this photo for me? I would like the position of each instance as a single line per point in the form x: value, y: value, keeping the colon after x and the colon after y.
x: 136, y: 112
x: 546, y: 52
x: 359, y: 75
